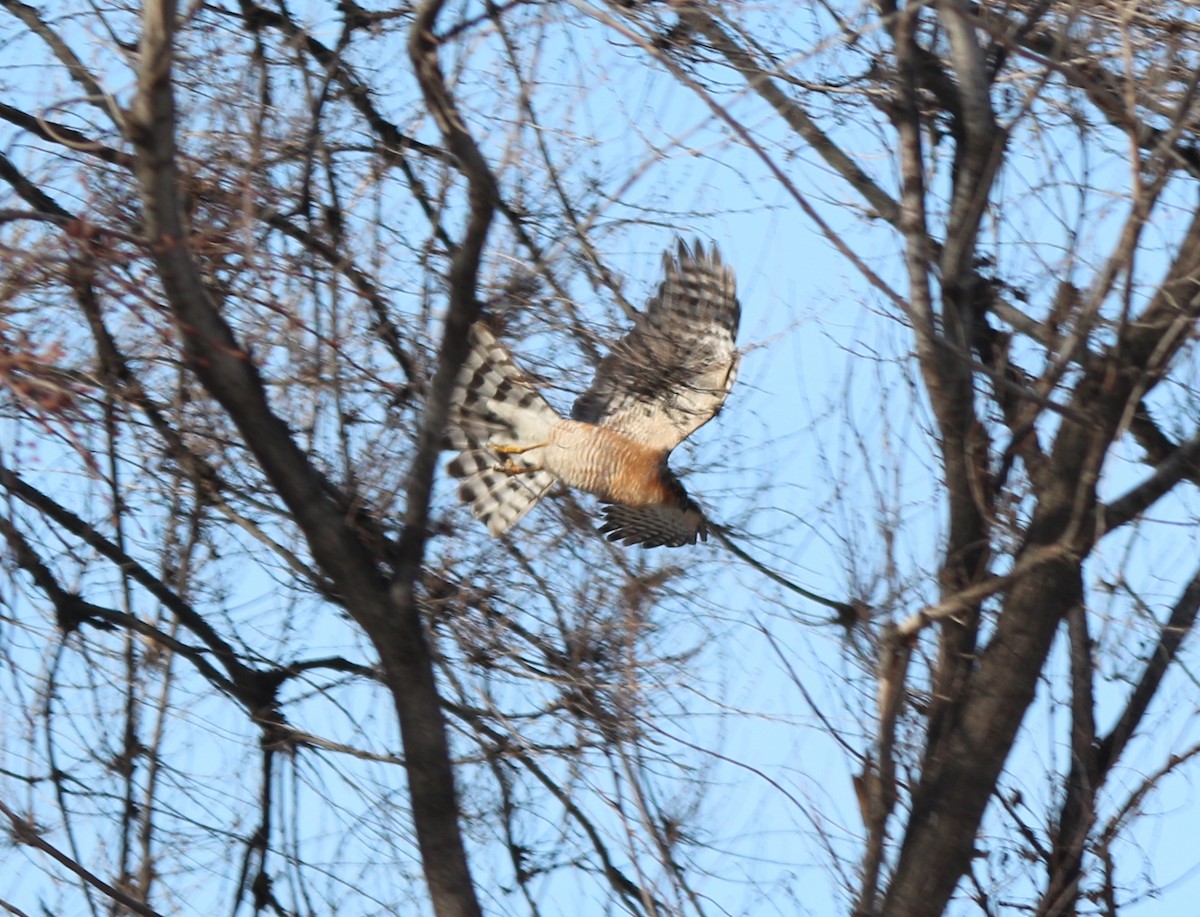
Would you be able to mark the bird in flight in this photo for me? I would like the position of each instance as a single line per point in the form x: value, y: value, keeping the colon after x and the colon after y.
x: 666, y: 378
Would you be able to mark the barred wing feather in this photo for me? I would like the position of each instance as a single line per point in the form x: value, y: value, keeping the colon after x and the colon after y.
x: 670, y: 374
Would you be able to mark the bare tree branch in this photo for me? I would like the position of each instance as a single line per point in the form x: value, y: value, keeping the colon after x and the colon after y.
x: 227, y: 371
x: 28, y: 834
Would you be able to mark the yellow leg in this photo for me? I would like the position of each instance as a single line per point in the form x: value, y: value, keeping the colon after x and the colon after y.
x: 514, y: 450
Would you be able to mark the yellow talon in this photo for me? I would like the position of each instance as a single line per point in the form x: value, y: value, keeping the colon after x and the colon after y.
x: 511, y: 467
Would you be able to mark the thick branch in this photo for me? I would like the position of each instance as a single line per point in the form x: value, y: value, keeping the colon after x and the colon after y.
x: 228, y: 372
x: 1077, y: 812
x: 978, y: 149
x: 961, y: 774
x: 463, y: 279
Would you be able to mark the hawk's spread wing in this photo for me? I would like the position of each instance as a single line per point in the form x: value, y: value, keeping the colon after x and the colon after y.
x: 671, y: 373
x: 654, y: 526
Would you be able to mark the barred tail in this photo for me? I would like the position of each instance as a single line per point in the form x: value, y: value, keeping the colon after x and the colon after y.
x: 493, y: 403
x: 498, y: 499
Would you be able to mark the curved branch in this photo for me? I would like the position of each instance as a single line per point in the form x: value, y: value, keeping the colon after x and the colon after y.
x: 463, y: 279
x: 979, y: 148
x: 325, y: 516
x: 96, y: 94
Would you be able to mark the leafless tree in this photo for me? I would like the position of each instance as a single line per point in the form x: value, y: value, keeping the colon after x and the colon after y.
x: 256, y: 657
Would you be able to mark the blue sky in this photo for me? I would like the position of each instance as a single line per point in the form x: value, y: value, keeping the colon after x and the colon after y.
x: 821, y: 460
